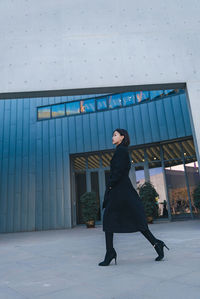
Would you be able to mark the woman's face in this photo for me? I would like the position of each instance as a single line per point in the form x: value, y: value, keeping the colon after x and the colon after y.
x: 117, y: 138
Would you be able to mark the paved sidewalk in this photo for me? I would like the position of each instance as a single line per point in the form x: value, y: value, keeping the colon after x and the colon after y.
x: 64, y: 264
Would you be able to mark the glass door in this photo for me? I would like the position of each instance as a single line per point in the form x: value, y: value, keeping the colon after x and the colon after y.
x: 80, y: 188
x: 137, y: 174
x: 94, y: 176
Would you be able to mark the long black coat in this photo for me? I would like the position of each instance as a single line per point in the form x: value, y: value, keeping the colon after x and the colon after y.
x: 124, y: 212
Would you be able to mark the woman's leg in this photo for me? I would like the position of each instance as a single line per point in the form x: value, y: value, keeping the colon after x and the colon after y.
x: 110, y: 251
x: 157, y: 244
x: 149, y: 236
x: 109, y: 241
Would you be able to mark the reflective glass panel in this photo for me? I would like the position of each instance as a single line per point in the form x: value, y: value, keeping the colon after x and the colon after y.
x: 115, y: 101
x: 128, y: 98
x: 44, y: 112
x: 140, y: 177
x: 192, y: 171
x: 87, y: 106
x: 58, y: 110
x: 168, y: 91
x: 155, y: 94
x: 101, y: 104
x: 177, y: 190
x: 158, y: 181
x: 142, y: 96
x: 73, y: 108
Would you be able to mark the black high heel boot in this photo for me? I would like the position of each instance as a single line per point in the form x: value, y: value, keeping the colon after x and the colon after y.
x: 159, y: 247
x: 109, y: 257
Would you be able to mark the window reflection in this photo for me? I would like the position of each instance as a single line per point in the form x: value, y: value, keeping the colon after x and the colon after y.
x: 128, y: 98
x: 101, y: 104
x: 105, y: 102
x: 142, y: 95
x: 168, y: 91
x: 115, y: 101
x: 73, y: 108
x: 44, y: 112
x: 87, y: 106
x: 155, y: 94
x: 177, y: 189
x: 58, y: 110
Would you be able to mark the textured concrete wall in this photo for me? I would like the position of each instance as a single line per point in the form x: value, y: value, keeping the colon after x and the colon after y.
x: 63, y: 44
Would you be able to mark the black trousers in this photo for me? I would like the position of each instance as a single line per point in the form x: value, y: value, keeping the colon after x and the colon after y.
x: 109, y: 239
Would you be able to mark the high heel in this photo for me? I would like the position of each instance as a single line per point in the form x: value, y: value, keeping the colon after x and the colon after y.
x: 108, y: 258
x: 159, y: 247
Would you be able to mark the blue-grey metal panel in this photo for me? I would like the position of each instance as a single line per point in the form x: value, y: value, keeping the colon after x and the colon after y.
x: 72, y: 134
x: 180, y: 126
x: 94, y: 131
x: 108, y: 129
x: 101, y: 131
x: 11, y: 168
x: 34, y: 155
x: 5, y: 167
x: 39, y: 177
x: 18, y: 171
x: 122, y: 119
x: 130, y: 124
x: 138, y: 125
x: 86, y: 133
x: 25, y: 145
x: 2, y: 114
x: 79, y: 133
x: 146, y: 123
x: 52, y: 174
x: 45, y: 174
x: 115, y: 119
x: 162, y: 120
x: 170, y: 118
x: 66, y: 176
x: 153, y: 119
x: 32, y: 167
x: 186, y: 117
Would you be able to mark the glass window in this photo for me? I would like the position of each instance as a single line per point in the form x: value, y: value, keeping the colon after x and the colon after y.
x: 142, y: 96
x: 87, y: 106
x: 155, y: 94
x: 72, y: 108
x: 58, y: 110
x: 168, y: 91
x: 128, y: 98
x: 101, y: 104
x: 115, y: 101
x: 44, y: 112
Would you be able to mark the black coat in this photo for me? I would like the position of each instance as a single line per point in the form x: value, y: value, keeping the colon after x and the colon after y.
x: 124, y: 212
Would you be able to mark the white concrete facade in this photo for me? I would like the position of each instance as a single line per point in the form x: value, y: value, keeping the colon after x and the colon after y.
x: 64, y: 44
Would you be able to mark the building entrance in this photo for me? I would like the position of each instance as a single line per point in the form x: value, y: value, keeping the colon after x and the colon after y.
x: 171, y: 167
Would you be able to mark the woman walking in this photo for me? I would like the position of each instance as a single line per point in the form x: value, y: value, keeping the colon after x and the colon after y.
x: 124, y: 212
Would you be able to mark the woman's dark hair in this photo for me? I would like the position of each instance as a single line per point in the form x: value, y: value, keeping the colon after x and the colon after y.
x: 126, y: 139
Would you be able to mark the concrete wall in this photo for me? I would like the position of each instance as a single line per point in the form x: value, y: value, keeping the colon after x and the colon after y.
x: 62, y: 44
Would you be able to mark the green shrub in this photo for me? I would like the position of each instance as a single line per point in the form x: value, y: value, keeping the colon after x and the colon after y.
x: 196, y: 197
x: 90, y: 206
x: 148, y: 195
